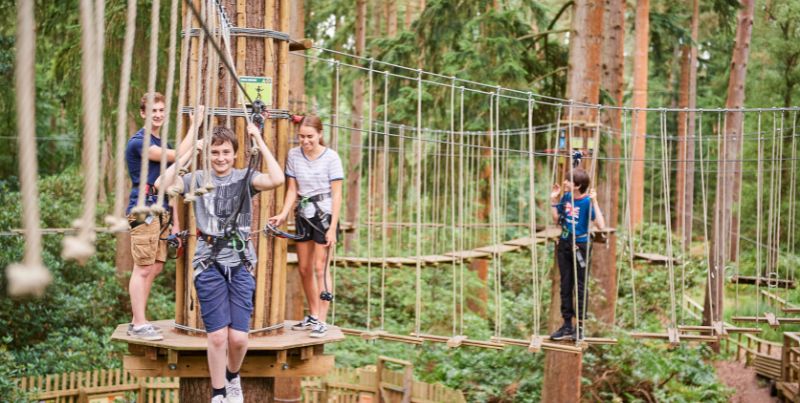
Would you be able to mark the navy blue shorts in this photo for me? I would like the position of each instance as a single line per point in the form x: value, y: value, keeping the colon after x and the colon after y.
x: 224, y: 303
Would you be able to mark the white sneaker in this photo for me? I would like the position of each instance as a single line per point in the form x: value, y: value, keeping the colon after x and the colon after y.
x: 319, y: 330
x: 219, y: 399
x: 234, y: 390
x: 306, y: 324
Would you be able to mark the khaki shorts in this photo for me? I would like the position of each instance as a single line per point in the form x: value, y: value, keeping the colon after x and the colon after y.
x: 147, y: 246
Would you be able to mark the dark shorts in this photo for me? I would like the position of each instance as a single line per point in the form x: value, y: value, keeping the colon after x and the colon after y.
x: 224, y: 303
x: 311, y: 233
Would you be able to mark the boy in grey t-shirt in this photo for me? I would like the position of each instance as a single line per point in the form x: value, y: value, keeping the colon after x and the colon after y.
x: 224, y: 254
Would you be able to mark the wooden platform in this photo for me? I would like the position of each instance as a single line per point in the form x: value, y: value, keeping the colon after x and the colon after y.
x: 288, y: 354
x: 184, y: 342
x: 763, y: 281
x: 654, y: 258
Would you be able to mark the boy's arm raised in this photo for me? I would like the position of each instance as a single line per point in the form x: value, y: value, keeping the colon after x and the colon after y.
x: 274, y: 176
x: 599, y: 220
x: 554, y: 202
x: 154, y: 152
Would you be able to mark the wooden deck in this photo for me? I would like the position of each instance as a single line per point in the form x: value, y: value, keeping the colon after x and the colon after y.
x: 763, y: 281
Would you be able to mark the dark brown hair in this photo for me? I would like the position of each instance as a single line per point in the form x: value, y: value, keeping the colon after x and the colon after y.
x: 314, y: 122
x: 221, y: 135
x: 580, y: 179
x: 157, y: 97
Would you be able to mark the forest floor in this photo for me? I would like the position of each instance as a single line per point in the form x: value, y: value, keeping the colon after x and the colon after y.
x: 748, y: 388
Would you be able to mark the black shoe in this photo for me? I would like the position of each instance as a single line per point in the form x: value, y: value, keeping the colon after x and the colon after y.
x: 565, y: 333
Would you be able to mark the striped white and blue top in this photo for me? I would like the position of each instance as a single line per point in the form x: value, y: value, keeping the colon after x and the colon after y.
x: 314, y: 176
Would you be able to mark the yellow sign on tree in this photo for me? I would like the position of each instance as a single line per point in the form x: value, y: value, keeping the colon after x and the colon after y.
x: 258, y: 88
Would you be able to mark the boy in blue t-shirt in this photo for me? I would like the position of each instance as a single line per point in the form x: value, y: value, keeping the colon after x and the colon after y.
x: 573, y: 212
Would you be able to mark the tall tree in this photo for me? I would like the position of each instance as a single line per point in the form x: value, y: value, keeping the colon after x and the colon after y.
x: 612, y: 83
x: 354, y: 153
x: 562, y: 377
x: 729, y: 166
x: 640, y: 71
x: 687, y: 99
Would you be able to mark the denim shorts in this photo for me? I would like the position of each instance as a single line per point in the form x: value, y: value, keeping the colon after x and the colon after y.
x: 226, y: 297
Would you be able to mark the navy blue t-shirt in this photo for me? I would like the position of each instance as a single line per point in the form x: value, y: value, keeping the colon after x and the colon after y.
x: 133, y: 156
x: 580, y: 214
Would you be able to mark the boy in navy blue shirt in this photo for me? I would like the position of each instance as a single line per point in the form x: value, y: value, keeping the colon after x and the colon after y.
x: 573, y: 212
x: 149, y: 233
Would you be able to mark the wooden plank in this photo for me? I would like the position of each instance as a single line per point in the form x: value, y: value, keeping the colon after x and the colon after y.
x: 498, y: 249
x: 654, y: 258
x: 467, y: 254
x: 525, y: 242
x: 455, y: 341
x: 196, y: 366
x: 763, y: 281
x: 536, y: 344
x: 771, y: 319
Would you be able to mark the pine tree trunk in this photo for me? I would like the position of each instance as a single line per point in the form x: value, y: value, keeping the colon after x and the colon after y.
x: 391, y: 18
x: 684, y: 184
x: 562, y: 371
x: 354, y: 160
x: 640, y: 69
x: 735, y: 120
x: 613, y: 83
x: 729, y: 173
x: 255, y: 390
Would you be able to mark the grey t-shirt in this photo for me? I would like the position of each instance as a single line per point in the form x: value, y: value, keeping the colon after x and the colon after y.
x: 213, y: 209
x: 314, y: 176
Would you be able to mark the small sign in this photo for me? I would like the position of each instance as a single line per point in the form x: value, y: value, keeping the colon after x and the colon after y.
x: 258, y: 88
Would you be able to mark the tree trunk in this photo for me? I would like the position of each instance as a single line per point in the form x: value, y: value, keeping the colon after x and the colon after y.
x: 583, y: 85
x: 409, y: 14
x: 735, y: 120
x: 729, y: 173
x: 354, y: 160
x: 255, y: 390
x: 612, y: 82
x: 684, y: 184
x: 640, y: 68
x: 391, y: 18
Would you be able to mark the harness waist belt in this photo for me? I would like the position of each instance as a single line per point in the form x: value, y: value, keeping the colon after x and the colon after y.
x: 318, y: 198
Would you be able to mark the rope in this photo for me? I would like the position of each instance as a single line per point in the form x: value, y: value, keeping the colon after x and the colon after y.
x: 454, y: 228
x: 709, y: 277
x: 370, y: 188
x: 532, y: 197
x: 30, y: 276
x: 81, y: 247
x: 668, y: 220
x: 177, y: 189
x: 418, y: 186
x: 461, y: 206
x: 628, y: 213
x: 141, y: 209
x: 117, y: 222
x: 173, y: 27
x: 385, y: 198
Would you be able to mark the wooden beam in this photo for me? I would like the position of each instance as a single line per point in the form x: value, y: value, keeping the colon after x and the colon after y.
x: 254, y: 366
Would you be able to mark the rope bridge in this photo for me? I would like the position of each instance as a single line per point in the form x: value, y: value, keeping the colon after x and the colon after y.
x: 460, y: 174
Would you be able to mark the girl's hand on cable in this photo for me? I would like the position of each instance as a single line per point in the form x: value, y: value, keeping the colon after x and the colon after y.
x: 330, y: 236
x: 556, y: 190
x: 278, y: 220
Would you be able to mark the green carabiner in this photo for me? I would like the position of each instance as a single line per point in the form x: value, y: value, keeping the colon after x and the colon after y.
x: 237, y: 243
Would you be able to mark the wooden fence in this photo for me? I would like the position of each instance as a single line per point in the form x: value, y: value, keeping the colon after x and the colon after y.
x: 342, y: 385
x: 99, y: 386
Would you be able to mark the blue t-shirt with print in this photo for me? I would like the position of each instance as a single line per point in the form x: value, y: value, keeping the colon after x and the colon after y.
x: 579, y: 214
x: 133, y: 156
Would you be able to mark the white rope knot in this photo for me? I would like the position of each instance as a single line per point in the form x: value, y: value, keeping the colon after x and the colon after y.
x: 24, y: 279
x: 200, y: 191
x: 175, y: 190
x: 183, y: 171
x: 117, y: 224
x: 157, y: 209
x: 141, y: 212
x: 77, y: 248
x: 189, y: 198
x: 209, y: 187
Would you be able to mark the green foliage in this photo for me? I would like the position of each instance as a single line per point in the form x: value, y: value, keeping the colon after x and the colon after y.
x: 69, y: 328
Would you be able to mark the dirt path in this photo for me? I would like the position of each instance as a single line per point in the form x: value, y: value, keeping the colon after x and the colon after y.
x: 748, y: 388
